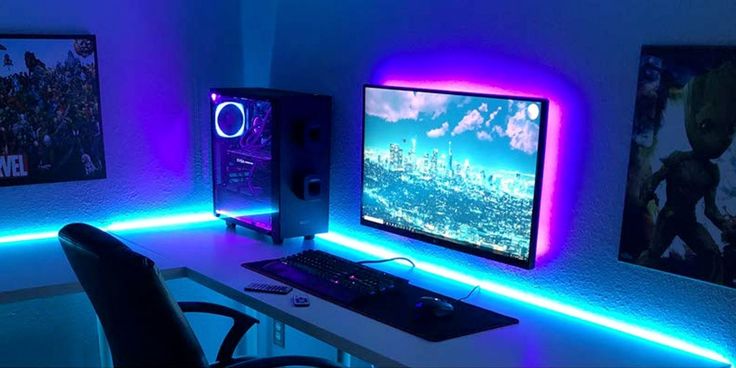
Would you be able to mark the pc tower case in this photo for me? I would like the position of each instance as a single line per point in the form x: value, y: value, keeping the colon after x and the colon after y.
x: 271, y: 160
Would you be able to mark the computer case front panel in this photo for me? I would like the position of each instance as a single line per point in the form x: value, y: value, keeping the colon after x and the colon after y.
x: 270, y: 154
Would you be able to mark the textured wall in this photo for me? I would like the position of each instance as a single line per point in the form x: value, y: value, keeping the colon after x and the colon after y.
x: 585, y: 53
x: 156, y: 61
x: 257, y: 24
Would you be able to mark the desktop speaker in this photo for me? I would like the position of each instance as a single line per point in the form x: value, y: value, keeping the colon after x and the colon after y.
x: 271, y: 160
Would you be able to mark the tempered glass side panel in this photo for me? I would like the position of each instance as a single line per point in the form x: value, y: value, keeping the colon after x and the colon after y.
x: 242, y: 138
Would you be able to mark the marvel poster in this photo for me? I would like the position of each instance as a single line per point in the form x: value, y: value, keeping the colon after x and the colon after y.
x: 50, y: 125
x: 680, y: 206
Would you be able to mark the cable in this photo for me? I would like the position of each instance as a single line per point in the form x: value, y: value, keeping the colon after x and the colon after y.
x: 477, y: 287
x: 389, y: 260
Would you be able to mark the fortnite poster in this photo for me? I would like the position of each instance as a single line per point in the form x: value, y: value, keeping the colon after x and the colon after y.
x: 50, y: 128
x: 680, y: 206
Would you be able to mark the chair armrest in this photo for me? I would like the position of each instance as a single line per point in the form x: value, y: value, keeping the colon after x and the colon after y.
x: 287, y: 361
x: 241, y: 324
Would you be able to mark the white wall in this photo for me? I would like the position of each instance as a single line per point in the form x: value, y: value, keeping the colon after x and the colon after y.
x: 584, y: 54
x: 157, y: 60
x: 257, y: 26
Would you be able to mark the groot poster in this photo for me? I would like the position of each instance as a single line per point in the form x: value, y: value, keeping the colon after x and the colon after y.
x: 680, y: 207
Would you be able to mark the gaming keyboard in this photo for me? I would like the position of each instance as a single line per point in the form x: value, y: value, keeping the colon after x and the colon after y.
x: 331, y: 277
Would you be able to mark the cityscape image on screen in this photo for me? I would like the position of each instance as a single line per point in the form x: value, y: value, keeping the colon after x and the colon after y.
x: 458, y: 170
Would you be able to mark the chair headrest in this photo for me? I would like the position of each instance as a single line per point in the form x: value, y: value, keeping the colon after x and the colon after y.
x: 100, y: 244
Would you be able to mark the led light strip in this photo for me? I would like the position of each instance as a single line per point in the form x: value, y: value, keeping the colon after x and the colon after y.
x: 529, y: 298
x: 377, y: 251
x: 138, y: 224
x: 145, y: 223
x: 27, y: 237
x: 236, y: 214
x: 161, y: 222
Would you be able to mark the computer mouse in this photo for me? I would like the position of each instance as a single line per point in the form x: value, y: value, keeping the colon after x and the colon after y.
x: 435, y: 307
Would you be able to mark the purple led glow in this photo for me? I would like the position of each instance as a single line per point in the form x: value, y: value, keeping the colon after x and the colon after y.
x: 213, y: 97
x: 472, y: 71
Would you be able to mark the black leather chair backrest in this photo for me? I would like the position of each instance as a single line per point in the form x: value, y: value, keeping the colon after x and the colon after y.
x: 142, y: 322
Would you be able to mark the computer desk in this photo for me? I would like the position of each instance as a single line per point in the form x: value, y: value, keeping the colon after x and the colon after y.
x: 211, y: 255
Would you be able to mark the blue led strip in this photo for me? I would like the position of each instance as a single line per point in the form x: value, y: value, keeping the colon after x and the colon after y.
x: 529, y: 298
x: 382, y: 252
x: 27, y: 237
x: 135, y: 224
x: 141, y: 223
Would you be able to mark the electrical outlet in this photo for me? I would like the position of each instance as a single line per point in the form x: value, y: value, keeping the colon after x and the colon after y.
x: 279, y: 333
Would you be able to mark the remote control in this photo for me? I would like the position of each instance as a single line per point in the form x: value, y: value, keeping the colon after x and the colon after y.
x: 300, y: 301
x: 268, y: 288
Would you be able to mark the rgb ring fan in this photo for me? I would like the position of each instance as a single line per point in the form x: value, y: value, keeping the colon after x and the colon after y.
x: 230, y: 119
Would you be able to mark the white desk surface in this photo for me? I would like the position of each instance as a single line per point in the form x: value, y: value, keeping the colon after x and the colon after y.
x: 211, y: 255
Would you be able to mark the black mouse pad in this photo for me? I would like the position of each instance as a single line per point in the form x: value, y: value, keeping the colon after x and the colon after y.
x: 397, y: 310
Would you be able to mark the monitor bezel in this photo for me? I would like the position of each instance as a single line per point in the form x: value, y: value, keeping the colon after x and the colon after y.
x: 529, y: 263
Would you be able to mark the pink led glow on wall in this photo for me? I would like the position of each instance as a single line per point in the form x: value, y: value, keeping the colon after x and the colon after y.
x: 567, y: 132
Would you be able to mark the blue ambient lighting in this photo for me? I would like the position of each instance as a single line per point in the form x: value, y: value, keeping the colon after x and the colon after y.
x: 526, y: 297
x: 232, y: 214
x: 27, y: 237
x: 144, y: 223
x: 382, y: 252
x: 160, y: 222
x: 137, y: 224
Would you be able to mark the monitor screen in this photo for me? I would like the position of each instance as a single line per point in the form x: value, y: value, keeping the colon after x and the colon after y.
x: 460, y: 170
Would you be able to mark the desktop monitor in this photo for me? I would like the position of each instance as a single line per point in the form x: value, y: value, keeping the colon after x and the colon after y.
x: 459, y: 170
